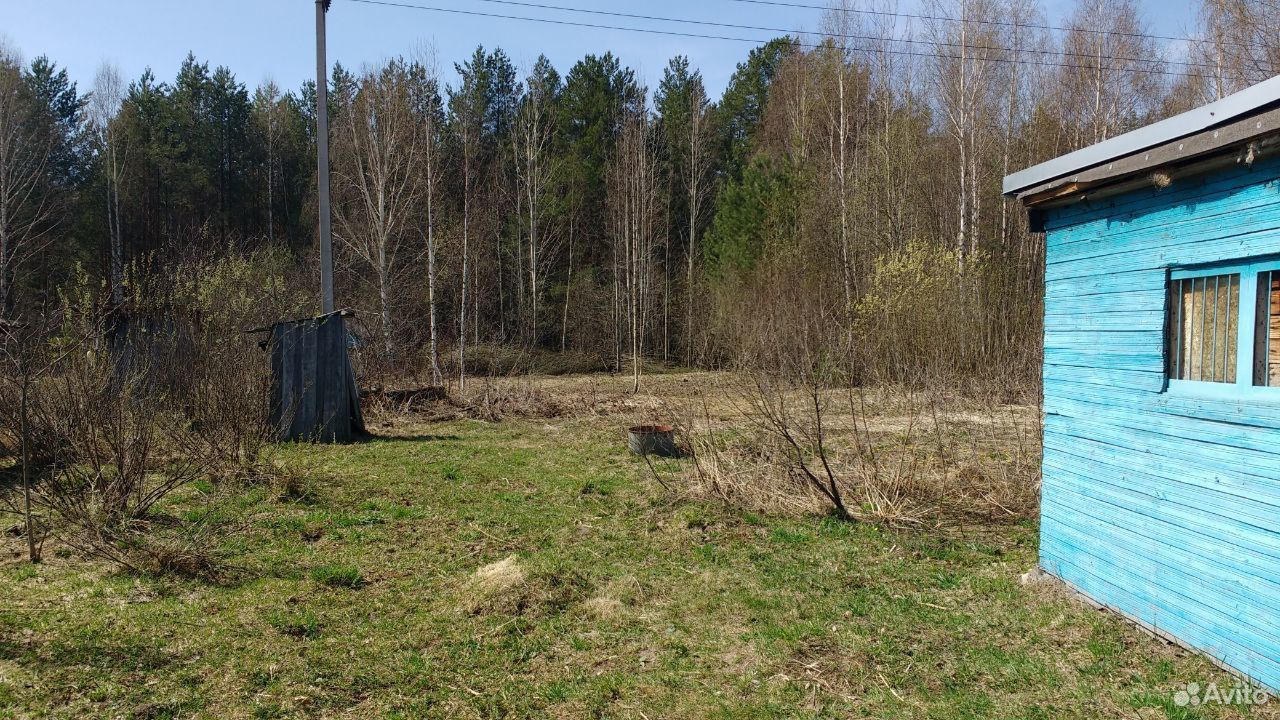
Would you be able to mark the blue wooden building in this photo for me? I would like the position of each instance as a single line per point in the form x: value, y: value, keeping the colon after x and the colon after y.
x: 1161, y: 495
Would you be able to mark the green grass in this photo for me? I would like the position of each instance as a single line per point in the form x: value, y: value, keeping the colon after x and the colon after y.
x: 339, y: 576
x: 360, y: 598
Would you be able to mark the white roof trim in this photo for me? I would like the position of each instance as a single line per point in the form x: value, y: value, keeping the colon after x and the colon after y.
x: 1202, y: 118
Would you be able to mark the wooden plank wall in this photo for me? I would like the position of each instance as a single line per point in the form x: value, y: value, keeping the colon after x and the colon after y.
x: 314, y: 393
x: 1162, y: 505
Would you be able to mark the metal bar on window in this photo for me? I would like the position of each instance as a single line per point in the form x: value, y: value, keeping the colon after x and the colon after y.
x: 1213, y: 347
x: 1204, y: 318
x: 1189, y: 322
x: 1262, y: 331
x: 1226, y: 332
x: 1226, y: 326
x: 1177, y: 349
x: 1258, y: 330
x: 1225, y: 320
x: 1188, y: 329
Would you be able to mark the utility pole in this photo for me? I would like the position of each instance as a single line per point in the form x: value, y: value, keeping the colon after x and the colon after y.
x: 314, y: 392
x: 322, y: 161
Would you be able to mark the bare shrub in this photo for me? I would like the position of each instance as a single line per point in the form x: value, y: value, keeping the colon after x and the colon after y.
x: 226, y: 394
x: 137, y: 403
x: 924, y: 318
x: 502, y: 360
x: 895, y: 455
x: 122, y: 451
x: 920, y: 317
x: 26, y: 359
x: 890, y: 407
x: 747, y: 470
x: 19, y: 373
x: 495, y: 400
x: 189, y: 325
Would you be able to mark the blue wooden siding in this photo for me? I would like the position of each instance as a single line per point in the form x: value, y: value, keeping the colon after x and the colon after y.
x: 1161, y: 503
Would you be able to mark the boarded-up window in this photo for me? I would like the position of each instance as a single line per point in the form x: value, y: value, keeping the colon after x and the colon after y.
x: 1203, y: 328
x: 1266, y: 363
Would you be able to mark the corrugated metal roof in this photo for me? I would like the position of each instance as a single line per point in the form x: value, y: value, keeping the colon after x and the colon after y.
x: 1245, y: 102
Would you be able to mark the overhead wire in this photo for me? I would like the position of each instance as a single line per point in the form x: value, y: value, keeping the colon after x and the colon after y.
x: 843, y: 36
x: 797, y: 42
x: 1003, y: 23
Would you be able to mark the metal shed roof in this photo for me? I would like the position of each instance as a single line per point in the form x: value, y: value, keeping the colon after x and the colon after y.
x: 1246, y: 102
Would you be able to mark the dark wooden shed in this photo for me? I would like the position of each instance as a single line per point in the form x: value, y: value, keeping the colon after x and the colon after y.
x: 314, y: 396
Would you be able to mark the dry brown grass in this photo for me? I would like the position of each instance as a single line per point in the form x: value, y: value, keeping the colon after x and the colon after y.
x: 489, y: 400
x: 901, y: 456
x: 500, y: 585
x: 496, y: 399
x: 508, y: 587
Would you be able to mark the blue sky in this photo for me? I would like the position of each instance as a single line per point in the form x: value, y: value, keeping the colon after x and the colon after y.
x: 258, y: 39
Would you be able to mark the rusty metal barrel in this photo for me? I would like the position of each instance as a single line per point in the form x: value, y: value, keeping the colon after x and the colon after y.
x: 652, y: 440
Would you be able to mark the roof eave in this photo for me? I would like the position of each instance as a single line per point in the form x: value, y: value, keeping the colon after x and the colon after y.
x: 1249, y: 101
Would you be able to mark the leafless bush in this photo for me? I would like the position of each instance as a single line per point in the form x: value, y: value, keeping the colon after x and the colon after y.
x: 920, y: 316
x: 495, y: 400
x: 511, y: 361
x: 895, y: 405
x: 897, y: 456
x: 924, y: 318
x: 122, y: 451
x: 136, y: 403
x: 189, y: 325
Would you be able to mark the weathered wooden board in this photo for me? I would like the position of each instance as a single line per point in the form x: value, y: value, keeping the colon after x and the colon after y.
x: 1203, y: 188
x: 1161, y: 503
x: 314, y: 393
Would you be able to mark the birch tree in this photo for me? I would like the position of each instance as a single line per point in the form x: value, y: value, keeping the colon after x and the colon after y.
x: 967, y: 64
x: 108, y: 95
x: 380, y: 149
x: 839, y: 25
x: 467, y: 106
x: 535, y: 169
x: 686, y: 129
x: 633, y: 201
x: 267, y: 111
x: 1110, y: 78
x: 427, y: 106
x: 697, y: 163
x: 1238, y: 46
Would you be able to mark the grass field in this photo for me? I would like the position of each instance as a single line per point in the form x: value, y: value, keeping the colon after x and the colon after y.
x: 531, y: 568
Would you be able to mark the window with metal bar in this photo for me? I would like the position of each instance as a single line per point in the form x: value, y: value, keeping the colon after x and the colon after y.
x: 1203, y: 330
x: 1222, y: 329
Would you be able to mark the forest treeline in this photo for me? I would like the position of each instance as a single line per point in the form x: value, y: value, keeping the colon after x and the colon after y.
x: 843, y: 192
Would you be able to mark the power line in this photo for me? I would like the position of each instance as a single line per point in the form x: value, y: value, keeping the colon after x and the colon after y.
x: 759, y: 41
x: 844, y: 36
x: 1002, y: 23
